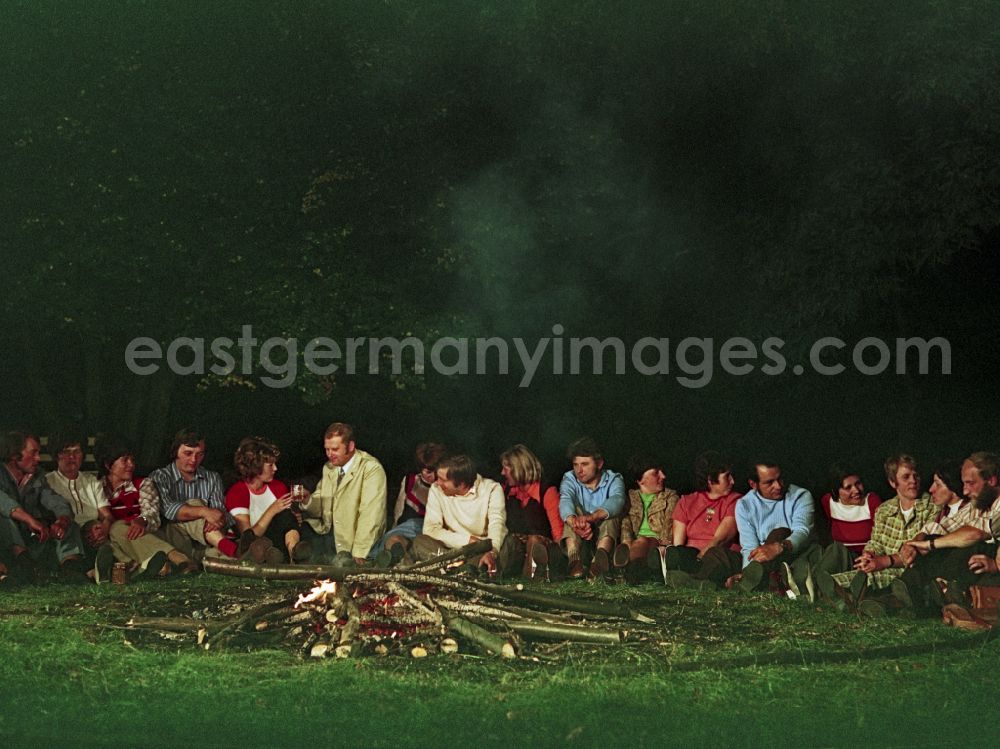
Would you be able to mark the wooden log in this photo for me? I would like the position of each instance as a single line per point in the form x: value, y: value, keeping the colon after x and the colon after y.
x: 475, y: 549
x: 565, y: 632
x: 487, y: 640
x: 170, y: 623
x: 233, y: 568
x: 423, y: 609
x: 476, y: 609
x: 577, y: 605
x: 220, y: 638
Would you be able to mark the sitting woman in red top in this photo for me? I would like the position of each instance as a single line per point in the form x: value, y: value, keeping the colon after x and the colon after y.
x: 530, y: 547
x: 850, y: 510
x: 705, y: 546
x: 135, y: 507
x: 262, y: 507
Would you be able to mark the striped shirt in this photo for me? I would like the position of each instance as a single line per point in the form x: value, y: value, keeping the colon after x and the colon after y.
x: 175, y: 491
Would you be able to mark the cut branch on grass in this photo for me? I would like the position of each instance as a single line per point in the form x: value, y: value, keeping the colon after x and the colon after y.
x: 565, y: 632
x: 221, y: 638
x: 487, y: 640
x: 170, y: 623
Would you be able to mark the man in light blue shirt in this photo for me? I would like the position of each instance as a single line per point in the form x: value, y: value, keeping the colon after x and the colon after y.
x: 775, y: 521
x: 591, y: 500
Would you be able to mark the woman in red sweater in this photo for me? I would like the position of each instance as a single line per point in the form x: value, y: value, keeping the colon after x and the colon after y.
x: 850, y: 510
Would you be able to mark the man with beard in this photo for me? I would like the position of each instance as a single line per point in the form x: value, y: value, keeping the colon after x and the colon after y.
x: 940, y: 568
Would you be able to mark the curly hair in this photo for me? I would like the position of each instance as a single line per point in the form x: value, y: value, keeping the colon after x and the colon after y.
x: 251, y: 455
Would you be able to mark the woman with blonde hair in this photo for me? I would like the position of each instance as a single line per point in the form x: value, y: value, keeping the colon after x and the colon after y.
x: 532, y: 509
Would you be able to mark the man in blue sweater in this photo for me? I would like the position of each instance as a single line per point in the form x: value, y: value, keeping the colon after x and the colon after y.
x: 775, y: 521
x: 591, y: 500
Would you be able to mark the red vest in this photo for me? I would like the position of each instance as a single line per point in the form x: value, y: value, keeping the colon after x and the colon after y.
x: 124, y: 504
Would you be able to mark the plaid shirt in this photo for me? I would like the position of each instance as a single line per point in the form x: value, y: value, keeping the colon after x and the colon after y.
x: 891, y: 531
x: 948, y: 520
x: 175, y: 492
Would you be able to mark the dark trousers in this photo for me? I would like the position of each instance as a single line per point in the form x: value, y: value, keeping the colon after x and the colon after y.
x: 279, y: 526
x: 716, y: 565
x: 949, y: 564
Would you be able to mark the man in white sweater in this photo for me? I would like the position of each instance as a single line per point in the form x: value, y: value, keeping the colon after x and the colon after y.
x: 462, y: 508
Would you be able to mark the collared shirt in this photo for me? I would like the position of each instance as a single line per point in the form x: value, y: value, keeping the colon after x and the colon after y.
x: 83, y: 494
x: 175, y: 491
x: 983, y: 520
x: 892, y: 529
x: 608, y: 495
x: 950, y: 517
x: 347, y: 466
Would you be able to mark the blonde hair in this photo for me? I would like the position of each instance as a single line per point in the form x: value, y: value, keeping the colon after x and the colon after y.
x: 525, y: 468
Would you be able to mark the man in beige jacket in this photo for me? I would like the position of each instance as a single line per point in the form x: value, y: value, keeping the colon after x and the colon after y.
x: 350, y: 499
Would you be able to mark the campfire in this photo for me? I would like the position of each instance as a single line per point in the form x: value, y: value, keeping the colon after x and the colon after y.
x: 418, y: 610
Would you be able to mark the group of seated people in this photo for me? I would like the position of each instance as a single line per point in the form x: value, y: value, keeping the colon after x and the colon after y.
x: 916, y: 552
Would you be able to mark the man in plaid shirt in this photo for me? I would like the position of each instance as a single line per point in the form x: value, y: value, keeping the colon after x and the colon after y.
x: 896, y: 522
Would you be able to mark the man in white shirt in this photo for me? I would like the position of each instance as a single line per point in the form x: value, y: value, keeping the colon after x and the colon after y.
x: 81, y: 489
x: 462, y: 508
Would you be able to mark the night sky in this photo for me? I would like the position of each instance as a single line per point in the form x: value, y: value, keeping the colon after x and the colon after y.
x: 617, y: 169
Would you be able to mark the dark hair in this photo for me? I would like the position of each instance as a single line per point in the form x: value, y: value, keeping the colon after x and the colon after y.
x: 837, y: 475
x: 766, y: 462
x: 107, y: 449
x: 584, y: 447
x: 251, y: 455
x: 708, y: 467
x: 950, y: 473
x: 428, y: 455
x: 13, y: 445
x: 461, y: 469
x: 59, y: 441
x: 189, y: 437
x: 638, y: 465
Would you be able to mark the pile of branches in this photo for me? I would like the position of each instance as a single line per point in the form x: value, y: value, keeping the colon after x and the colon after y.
x: 416, y: 610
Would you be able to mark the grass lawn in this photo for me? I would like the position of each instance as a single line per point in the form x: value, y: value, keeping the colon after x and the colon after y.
x: 723, y: 670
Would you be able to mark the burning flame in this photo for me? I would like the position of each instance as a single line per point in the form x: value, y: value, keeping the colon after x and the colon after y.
x: 318, y: 593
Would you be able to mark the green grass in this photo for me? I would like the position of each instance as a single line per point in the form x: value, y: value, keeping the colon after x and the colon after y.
x: 719, y: 670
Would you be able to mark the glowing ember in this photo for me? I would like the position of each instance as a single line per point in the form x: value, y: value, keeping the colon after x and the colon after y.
x: 318, y: 593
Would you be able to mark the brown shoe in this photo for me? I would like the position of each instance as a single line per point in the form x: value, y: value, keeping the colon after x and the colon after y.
x: 540, y: 556
x: 620, y: 558
x: 188, y: 567
x: 257, y: 550
x: 575, y: 570
x: 955, y: 615
x: 600, y: 565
